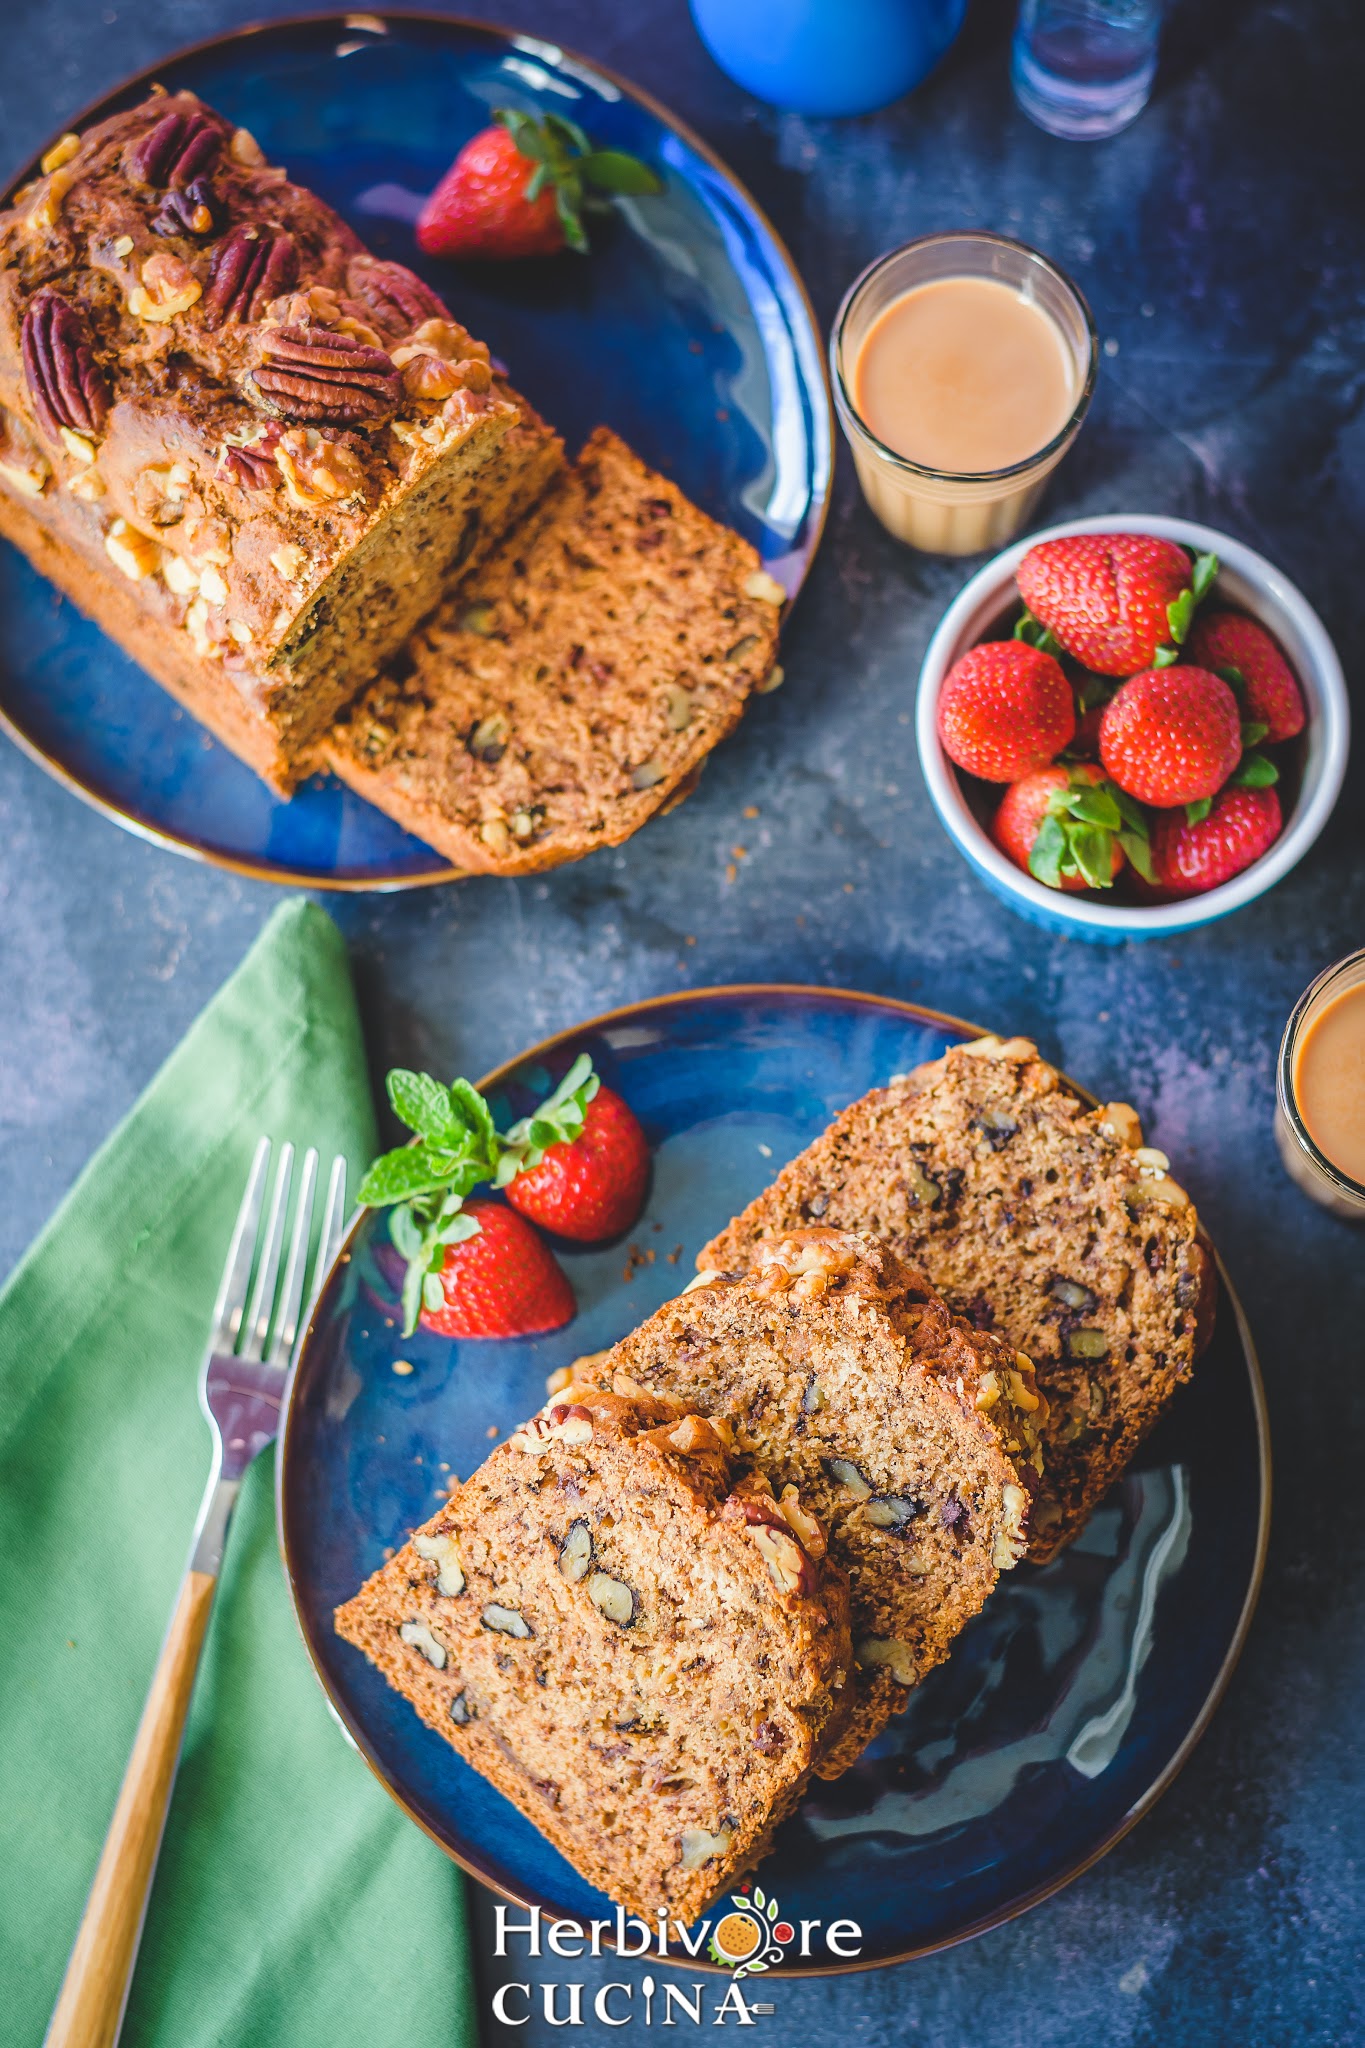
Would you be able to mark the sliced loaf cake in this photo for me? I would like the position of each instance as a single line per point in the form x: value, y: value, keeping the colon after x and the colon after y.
x: 910, y: 1434
x: 1034, y: 1216
x: 640, y: 1648
x: 575, y: 682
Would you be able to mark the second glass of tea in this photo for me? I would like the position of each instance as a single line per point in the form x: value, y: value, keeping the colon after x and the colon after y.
x: 963, y: 365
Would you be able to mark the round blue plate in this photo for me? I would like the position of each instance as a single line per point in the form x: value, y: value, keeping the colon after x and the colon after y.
x: 687, y: 330
x: 1066, y: 1707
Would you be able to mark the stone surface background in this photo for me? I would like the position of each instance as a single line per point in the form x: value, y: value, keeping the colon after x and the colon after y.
x: 1222, y: 245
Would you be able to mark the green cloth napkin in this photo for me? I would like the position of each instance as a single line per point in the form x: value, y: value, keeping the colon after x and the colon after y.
x: 294, y: 1902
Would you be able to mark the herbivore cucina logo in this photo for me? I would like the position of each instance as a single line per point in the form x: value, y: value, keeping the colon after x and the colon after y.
x: 746, y: 1935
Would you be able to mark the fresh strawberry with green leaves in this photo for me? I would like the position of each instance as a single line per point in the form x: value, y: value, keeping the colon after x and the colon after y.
x: 1118, y: 602
x: 1240, y: 826
x: 522, y: 188
x: 1070, y: 829
x: 1241, y: 651
x: 1005, y: 709
x: 580, y: 1165
x: 498, y: 1278
x: 1171, y: 736
x: 592, y: 1193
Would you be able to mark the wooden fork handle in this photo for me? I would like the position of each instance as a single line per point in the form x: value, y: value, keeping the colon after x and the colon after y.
x: 89, y: 2008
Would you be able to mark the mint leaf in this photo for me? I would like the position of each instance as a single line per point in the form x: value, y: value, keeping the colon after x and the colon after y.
x: 420, y: 1102
x: 1196, y: 813
x: 398, y: 1176
x: 612, y: 170
x: 473, y: 1115
x: 1205, y: 569
x: 1255, y: 771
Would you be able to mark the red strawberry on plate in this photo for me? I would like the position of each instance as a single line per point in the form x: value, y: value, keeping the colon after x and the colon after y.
x: 591, y: 1186
x: 521, y: 188
x: 1069, y: 828
x: 1171, y: 735
x: 1242, y: 824
x: 1118, y: 602
x: 1004, y: 710
x: 499, y: 1280
x: 1270, y: 691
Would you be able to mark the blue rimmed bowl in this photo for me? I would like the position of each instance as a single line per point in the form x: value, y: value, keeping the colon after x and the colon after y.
x: 1246, y: 580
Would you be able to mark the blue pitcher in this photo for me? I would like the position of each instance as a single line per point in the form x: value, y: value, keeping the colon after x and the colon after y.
x: 828, y: 56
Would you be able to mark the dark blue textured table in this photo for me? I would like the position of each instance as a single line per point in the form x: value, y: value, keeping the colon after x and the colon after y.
x: 1222, y: 245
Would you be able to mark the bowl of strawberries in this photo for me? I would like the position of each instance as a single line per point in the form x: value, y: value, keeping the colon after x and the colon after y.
x: 1131, y: 726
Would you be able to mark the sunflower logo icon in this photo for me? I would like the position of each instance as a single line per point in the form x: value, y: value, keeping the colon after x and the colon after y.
x: 752, y: 1936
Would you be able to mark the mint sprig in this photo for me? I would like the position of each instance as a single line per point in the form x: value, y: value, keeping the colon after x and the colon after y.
x: 582, y: 179
x: 458, y: 1148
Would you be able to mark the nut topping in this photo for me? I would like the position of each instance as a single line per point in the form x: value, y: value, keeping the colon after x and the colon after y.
x: 61, y: 152
x: 442, y: 1551
x: 172, y: 153
x: 461, y: 1713
x: 250, y: 267
x: 131, y: 551
x: 1120, y: 1120
x: 505, y: 1621
x: 575, y: 1553
x: 168, y: 287
x: 65, y: 383
x: 191, y: 212
x: 613, y: 1598
x: 159, y: 493
x: 395, y: 296
x: 697, y: 1846
x: 803, y: 1525
x: 424, y: 1639
x: 765, y: 588
x: 1010, y: 1540
x: 1091, y: 1344
x: 487, y: 741
x: 1072, y: 1294
x: 783, y: 1555
x: 317, y: 472
x: 307, y: 373
x: 250, y: 463
x: 244, y: 149
x: 22, y: 462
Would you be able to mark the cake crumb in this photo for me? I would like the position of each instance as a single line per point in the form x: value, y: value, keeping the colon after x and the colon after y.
x: 675, y: 1255
x: 751, y: 810
x: 491, y: 1431
x: 402, y: 1366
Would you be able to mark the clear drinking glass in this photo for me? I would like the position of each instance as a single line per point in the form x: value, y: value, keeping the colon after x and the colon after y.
x: 1084, y: 68
x: 938, y: 511
x: 1303, y: 1161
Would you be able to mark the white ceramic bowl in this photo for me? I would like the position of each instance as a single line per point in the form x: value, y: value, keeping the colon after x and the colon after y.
x: 1246, y: 580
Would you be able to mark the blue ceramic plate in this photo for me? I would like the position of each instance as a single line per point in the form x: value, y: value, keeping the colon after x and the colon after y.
x: 687, y: 330
x: 1066, y: 1707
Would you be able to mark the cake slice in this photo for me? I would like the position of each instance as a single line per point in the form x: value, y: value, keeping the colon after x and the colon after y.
x: 249, y: 449
x: 574, y: 683
x: 632, y: 1642
x: 909, y: 1434
x: 1036, y: 1217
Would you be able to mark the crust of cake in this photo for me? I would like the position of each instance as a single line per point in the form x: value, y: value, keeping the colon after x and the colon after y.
x: 573, y: 685
x: 1036, y: 1217
x: 910, y: 1435
x: 623, y: 1633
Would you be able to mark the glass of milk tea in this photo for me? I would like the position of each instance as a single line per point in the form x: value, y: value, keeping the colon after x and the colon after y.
x: 963, y: 366
x: 1320, y: 1090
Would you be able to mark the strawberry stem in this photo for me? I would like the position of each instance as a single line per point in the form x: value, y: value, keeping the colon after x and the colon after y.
x: 567, y: 163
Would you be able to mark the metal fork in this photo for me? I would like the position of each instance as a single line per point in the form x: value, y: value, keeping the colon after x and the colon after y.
x: 251, y: 1349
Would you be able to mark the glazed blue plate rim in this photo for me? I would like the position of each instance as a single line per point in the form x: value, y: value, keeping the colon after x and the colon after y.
x: 780, y: 993
x: 176, y: 840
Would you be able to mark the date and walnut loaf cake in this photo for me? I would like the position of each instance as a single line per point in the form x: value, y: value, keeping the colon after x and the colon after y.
x: 250, y: 450
x: 640, y: 1648
x: 1036, y: 1217
x: 911, y: 1435
x: 573, y: 684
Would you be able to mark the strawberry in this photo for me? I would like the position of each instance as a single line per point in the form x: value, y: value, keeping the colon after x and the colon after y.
x: 499, y: 1279
x: 1118, y: 602
x: 1241, y: 650
x: 1069, y: 828
x: 593, y: 1186
x: 1242, y: 824
x: 578, y: 1164
x: 1005, y: 709
x: 1171, y: 735
x: 521, y: 188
